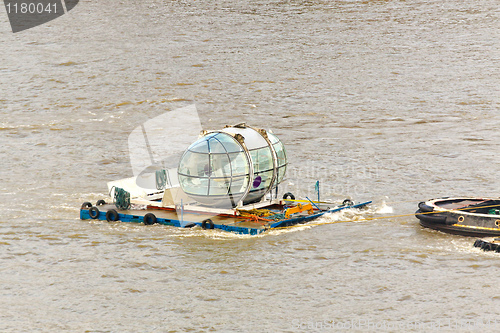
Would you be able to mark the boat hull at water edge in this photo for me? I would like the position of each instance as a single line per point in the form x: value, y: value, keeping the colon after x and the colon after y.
x: 477, y: 217
x: 241, y: 224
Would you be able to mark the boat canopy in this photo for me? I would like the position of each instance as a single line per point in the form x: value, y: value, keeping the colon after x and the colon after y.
x: 235, y: 166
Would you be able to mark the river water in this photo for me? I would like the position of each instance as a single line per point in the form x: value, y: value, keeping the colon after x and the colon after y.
x: 390, y: 101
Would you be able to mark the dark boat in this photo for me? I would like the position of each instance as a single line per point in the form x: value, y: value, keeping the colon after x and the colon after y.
x: 478, y: 217
x: 488, y: 244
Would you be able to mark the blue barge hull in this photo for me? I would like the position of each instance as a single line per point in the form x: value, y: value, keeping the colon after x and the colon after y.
x: 233, y: 223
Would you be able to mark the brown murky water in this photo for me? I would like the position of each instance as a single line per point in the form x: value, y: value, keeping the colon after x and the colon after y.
x: 389, y: 101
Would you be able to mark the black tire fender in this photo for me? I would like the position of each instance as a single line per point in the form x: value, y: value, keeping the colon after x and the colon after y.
x: 94, y: 212
x: 100, y: 202
x: 86, y: 204
x: 347, y: 202
x: 425, y: 208
x: 288, y: 195
x: 487, y: 247
x: 450, y: 220
x: 149, y: 219
x: 112, y: 215
x: 207, y: 224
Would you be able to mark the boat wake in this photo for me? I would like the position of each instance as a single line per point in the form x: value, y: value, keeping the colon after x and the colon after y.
x: 343, y: 216
x: 383, y: 208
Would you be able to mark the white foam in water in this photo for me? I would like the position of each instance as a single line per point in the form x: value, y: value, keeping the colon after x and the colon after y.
x: 384, y: 209
x: 347, y: 215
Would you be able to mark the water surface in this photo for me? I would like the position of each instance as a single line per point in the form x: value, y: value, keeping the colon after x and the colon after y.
x: 389, y: 101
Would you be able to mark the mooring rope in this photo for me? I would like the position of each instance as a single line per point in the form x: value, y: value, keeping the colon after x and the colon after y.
x: 382, y: 217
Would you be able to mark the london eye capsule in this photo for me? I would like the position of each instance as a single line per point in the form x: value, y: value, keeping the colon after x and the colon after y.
x: 235, y: 166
